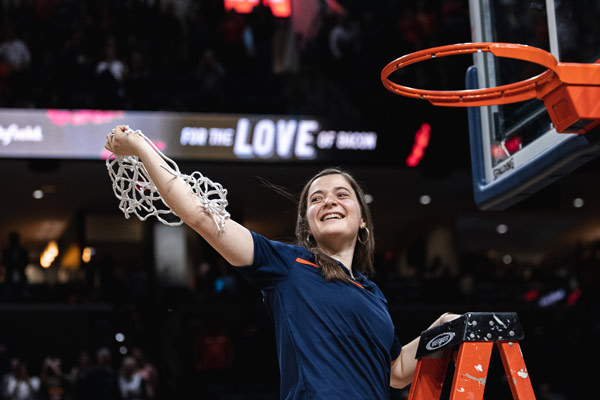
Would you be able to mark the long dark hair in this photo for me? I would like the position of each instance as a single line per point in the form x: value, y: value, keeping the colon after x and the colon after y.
x: 365, y: 244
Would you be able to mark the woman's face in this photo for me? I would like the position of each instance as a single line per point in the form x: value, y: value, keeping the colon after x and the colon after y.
x: 333, y: 211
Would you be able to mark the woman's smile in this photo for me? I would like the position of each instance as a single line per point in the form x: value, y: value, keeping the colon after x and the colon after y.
x: 333, y: 212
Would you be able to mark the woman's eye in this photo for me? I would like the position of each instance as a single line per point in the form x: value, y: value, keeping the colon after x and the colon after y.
x: 315, y: 199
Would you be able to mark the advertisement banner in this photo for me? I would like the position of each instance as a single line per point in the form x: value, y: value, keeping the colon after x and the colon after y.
x: 81, y: 134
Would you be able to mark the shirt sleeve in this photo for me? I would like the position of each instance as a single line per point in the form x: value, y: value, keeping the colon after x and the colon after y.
x: 396, y: 345
x: 271, y: 262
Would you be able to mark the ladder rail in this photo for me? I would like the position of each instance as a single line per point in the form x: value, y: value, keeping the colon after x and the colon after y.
x: 429, y: 376
x: 516, y: 371
x: 470, y: 374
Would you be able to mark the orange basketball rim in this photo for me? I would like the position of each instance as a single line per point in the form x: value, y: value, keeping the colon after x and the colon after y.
x: 570, y: 91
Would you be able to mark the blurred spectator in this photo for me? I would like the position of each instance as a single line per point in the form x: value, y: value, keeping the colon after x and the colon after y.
x: 102, y: 380
x: 285, y: 49
x: 171, y: 40
x: 201, y: 35
x: 343, y: 38
x: 225, y: 284
x: 213, y: 347
x: 4, y: 72
x: 16, y: 58
x: 78, y: 377
x: 137, y: 82
x: 76, y: 68
x: 131, y: 383
x: 53, y: 382
x: 262, y: 28
x: 22, y: 386
x: 164, y: 48
x: 4, y: 362
x: 205, y: 278
x: 13, y: 370
x: 15, y: 259
x: 136, y: 278
x: 231, y: 35
x: 210, y: 75
x: 112, y: 279
x: 147, y: 371
x: 45, y: 10
x: 110, y: 77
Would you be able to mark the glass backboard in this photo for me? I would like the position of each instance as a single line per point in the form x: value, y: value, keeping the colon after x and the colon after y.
x: 515, y: 150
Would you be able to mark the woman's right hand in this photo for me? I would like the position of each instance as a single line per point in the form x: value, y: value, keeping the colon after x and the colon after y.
x: 121, y: 141
x: 445, y: 317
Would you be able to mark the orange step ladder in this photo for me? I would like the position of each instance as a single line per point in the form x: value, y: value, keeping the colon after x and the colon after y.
x: 470, y: 340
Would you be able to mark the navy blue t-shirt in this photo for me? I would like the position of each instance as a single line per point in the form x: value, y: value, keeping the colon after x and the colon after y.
x: 334, y: 340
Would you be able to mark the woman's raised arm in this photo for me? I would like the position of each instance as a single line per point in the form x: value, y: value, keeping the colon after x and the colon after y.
x: 234, y: 242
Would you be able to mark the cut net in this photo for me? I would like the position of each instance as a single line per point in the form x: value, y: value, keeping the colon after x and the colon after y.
x: 138, y: 195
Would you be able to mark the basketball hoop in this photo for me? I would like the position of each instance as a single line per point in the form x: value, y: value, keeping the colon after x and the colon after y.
x: 570, y: 91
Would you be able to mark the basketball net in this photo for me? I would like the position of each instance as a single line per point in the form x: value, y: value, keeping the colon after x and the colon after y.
x: 138, y: 195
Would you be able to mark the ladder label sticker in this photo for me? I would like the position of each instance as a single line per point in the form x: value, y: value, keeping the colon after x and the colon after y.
x: 440, y: 341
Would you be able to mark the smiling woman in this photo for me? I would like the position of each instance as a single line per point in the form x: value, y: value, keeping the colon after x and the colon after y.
x: 334, y: 193
x: 335, y: 337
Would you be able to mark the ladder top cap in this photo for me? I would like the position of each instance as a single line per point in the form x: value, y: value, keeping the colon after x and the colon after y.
x: 471, y: 327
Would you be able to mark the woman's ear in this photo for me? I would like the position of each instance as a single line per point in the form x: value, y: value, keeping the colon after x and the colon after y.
x: 363, y: 224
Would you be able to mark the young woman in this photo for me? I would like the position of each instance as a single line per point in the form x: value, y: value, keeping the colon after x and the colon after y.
x: 335, y: 337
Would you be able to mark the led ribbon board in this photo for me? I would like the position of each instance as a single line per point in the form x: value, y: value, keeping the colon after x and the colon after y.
x: 81, y: 134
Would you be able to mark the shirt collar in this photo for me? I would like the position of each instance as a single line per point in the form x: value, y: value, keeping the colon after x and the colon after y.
x: 358, y: 276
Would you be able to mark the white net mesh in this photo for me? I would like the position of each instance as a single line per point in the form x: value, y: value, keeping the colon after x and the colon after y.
x: 138, y: 195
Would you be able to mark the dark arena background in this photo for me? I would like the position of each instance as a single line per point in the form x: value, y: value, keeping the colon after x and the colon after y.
x: 257, y: 96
